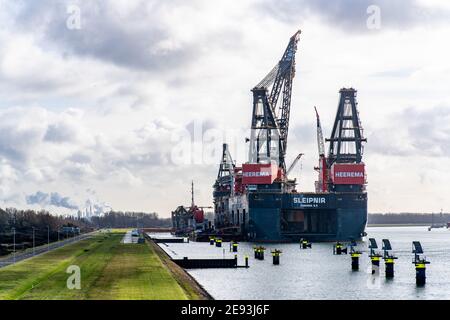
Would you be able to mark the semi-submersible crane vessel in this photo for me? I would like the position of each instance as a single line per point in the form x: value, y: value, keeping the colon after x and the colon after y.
x: 257, y: 201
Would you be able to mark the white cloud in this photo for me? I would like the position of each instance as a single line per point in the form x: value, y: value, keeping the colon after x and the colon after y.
x: 98, y: 108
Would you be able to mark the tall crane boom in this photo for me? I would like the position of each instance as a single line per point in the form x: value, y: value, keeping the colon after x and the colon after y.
x: 321, y: 184
x: 320, y: 141
x: 270, y: 119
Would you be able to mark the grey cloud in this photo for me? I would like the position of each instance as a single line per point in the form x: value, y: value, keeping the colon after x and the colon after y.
x: 143, y: 160
x: 427, y: 134
x: 130, y: 40
x: 53, y: 199
x: 30, y: 84
x: 59, y: 133
x: 23, y: 132
x: 145, y: 43
x: 39, y: 197
x: 75, y: 172
x: 80, y: 158
x: 16, y: 144
x: 57, y: 200
x: 351, y: 15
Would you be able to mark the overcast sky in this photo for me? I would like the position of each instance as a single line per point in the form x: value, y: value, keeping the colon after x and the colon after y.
x: 100, y: 101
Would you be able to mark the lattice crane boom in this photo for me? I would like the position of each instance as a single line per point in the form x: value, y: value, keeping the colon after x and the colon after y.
x: 270, y: 120
x: 226, y: 167
x: 294, y: 163
x: 320, y: 141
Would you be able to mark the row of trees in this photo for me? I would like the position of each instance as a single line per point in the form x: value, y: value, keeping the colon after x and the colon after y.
x: 119, y: 219
x: 408, y: 218
x: 22, y: 224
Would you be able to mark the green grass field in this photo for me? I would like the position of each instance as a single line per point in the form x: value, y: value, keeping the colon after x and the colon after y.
x: 109, y: 270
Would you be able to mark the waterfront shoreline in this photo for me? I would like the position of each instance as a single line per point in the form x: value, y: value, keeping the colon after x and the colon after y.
x: 399, y: 225
x: 184, y: 279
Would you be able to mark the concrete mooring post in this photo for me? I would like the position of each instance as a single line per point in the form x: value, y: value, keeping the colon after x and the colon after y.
x: 375, y: 259
x: 389, y: 259
x: 259, y: 252
x: 420, y: 274
x: 374, y: 256
x: 339, y: 249
x: 420, y: 263
x: 389, y: 266
x: 235, y: 246
x: 276, y: 256
x: 355, y: 260
x: 355, y: 256
x: 305, y: 244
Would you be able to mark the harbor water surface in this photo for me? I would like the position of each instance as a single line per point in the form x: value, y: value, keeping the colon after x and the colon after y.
x: 318, y: 274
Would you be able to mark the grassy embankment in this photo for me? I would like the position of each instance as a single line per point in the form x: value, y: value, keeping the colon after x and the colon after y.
x: 109, y: 270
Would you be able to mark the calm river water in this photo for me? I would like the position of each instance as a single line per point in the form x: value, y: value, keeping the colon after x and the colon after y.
x: 318, y: 274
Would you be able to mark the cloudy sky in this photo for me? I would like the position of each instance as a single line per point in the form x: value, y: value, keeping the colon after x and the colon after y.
x: 123, y: 103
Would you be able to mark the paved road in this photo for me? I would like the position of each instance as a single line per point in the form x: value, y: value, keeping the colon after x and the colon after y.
x: 41, y: 249
x: 128, y: 238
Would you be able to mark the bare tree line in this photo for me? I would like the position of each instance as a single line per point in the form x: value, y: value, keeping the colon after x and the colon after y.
x: 23, y: 224
x: 408, y: 218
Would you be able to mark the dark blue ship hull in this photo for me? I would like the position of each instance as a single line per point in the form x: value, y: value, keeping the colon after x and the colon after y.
x: 286, y: 217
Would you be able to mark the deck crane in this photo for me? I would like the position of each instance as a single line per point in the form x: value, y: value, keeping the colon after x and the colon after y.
x: 321, y: 184
x: 270, y: 119
x: 320, y: 141
x: 293, y: 164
